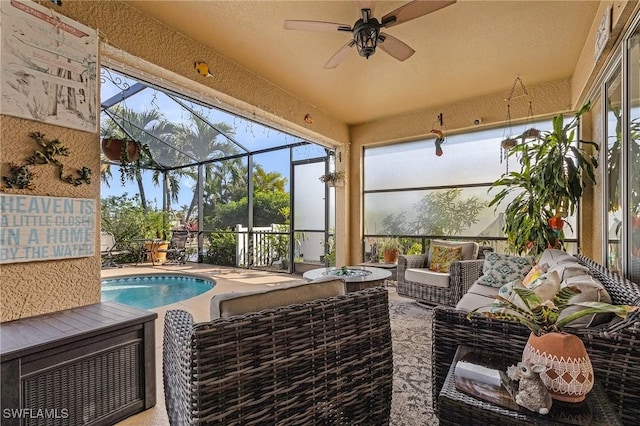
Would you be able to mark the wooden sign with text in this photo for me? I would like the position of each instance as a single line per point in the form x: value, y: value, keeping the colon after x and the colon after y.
x: 34, y: 228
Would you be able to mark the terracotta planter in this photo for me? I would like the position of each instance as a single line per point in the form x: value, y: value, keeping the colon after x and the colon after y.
x: 112, y: 149
x: 569, y: 376
x: 390, y: 256
x: 153, y: 251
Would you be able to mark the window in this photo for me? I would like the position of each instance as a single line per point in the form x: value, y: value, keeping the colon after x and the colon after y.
x: 410, y: 191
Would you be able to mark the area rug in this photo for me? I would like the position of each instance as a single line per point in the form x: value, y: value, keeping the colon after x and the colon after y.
x: 411, y: 336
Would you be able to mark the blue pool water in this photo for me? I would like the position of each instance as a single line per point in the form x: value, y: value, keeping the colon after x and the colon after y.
x: 151, y: 291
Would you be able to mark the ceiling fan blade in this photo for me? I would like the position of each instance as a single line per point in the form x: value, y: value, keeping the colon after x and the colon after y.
x: 413, y: 10
x: 340, y: 55
x: 366, y: 4
x: 315, y: 26
x: 394, y: 47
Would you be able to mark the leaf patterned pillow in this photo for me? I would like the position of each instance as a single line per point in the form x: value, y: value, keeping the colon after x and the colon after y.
x: 443, y: 257
x: 499, y: 269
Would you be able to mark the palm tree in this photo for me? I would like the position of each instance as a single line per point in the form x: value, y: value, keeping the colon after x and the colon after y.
x: 199, y: 140
x: 264, y: 181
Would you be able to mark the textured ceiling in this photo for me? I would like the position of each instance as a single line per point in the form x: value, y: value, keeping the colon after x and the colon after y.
x: 469, y: 49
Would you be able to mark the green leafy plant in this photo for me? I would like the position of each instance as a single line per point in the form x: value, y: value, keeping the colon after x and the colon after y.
x: 554, y: 171
x: 156, y: 224
x: 222, y: 249
x: 333, y: 177
x: 391, y: 244
x: 544, y: 316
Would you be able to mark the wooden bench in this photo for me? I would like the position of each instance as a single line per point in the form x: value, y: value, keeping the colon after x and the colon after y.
x: 93, y: 364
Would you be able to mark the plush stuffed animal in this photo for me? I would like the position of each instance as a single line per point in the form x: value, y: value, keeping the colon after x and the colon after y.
x: 532, y: 393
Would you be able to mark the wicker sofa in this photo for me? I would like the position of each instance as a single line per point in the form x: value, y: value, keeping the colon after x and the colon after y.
x: 613, y: 347
x: 325, y: 361
x: 462, y: 274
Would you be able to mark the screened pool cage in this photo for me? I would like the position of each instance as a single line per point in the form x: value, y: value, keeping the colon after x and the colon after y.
x: 248, y: 194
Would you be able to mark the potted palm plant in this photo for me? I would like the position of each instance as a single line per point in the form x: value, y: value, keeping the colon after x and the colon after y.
x: 548, y: 344
x: 554, y: 170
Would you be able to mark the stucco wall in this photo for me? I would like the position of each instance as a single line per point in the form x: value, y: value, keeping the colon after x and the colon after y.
x: 33, y: 288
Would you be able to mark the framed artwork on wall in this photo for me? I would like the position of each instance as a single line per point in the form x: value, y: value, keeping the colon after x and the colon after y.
x: 48, y: 67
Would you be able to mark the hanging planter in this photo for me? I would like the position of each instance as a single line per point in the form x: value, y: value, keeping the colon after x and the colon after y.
x: 508, y: 143
x: 333, y: 178
x: 123, y: 151
x: 530, y: 134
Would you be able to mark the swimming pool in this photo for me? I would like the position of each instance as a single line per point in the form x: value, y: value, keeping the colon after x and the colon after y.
x: 152, y: 291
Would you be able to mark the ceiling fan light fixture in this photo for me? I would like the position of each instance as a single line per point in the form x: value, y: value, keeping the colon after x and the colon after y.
x: 366, y: 38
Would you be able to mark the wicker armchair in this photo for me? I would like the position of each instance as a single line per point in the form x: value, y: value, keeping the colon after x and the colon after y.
x: 614, y: 348
x: 328, y: 361
x: 462, y: 274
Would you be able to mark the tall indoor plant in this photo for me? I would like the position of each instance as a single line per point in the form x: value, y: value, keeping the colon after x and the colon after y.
x: 569, y: 374
x: 554, y: 171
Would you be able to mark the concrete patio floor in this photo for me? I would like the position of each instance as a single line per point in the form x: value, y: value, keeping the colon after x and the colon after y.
x: 227, y: 280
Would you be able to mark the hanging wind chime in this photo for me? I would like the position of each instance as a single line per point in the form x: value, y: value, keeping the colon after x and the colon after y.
x: 439, y: 135
x: 508, y: 141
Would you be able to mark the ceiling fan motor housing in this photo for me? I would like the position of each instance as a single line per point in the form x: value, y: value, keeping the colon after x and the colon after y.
x: 365, y: 34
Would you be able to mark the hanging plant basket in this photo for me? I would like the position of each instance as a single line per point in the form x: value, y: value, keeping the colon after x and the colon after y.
x: 508, y: 143
x: 333, y: 178
x: 114, y: 149
x: 531, y: 134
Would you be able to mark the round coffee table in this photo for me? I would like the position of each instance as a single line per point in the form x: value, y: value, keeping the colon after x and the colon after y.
x: 356, y: 277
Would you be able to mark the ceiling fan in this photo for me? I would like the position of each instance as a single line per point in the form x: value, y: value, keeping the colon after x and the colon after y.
x: 366, y: 30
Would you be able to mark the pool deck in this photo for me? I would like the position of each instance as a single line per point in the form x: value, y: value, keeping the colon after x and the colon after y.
x: 227, y: 280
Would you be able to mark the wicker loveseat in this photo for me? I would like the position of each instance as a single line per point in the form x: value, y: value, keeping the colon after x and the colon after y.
x: 327, y: 361
x: 613, y: 347
x: 462, y: 274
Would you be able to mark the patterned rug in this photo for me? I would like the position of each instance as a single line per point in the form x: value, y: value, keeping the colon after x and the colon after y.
x: 411, y: 335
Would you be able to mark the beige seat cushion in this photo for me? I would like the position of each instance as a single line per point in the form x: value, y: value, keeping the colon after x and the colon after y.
x: 483, y: 290
x: 427, y: 277
x: 471, y: 301
x: 592, y: 291
x: 230, y: 304
x: 469, y: 248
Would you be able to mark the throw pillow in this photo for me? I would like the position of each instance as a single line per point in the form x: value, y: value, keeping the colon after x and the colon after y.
x: 546, y: 289
x: 554, y: 256
x: 499, y: 269
x: 592, y: 291
x: 443, y: 257
x: 534, y: 275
